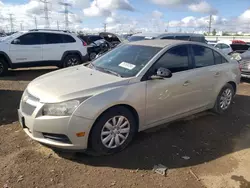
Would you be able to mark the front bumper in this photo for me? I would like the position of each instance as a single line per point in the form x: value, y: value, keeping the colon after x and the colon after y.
x: 37, y: 127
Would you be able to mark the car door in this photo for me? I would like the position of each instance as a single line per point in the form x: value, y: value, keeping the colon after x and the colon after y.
x: 169, y: 97
x: 54, y: 47
x: 26, y: 48
x: 205, y: 72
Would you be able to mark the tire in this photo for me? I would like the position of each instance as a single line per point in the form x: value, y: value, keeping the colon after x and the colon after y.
x: 108, y: 142
x: 3, y: 67
x: 224, y: 99
x: 92, y: 56
x: 71, y: 60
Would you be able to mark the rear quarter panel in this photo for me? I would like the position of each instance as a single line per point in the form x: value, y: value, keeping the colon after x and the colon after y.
x: 230, y: 72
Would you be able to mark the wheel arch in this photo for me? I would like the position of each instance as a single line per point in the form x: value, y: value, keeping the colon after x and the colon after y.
x: 129, y: 107
x: 233, y: 84
x: 6, y: 58
x: 72, y: 52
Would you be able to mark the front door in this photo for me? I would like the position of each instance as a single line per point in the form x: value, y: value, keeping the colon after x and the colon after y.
x: 26, y: 48
x: 171, y: 96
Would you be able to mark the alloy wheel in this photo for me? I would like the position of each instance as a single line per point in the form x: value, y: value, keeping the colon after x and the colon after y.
x: 226, y: 98
x: 72, y: 62
x: 115, y: 132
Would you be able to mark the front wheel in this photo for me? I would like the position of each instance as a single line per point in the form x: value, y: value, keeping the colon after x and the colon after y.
x: 224, y: 99
x: 3, y: 67
x: 113, y: 131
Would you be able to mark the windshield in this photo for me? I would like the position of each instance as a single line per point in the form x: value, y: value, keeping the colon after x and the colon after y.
x: 126, y: 60
x: 10, y: 37
x: 137, y: 38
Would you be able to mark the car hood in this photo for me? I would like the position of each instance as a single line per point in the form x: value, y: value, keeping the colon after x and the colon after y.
x: 72, y: 83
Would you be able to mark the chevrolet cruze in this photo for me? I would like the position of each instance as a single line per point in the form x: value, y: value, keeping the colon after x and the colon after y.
x: 136, y: 86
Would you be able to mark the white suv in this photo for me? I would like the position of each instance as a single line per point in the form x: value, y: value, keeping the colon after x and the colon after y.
x: 41, y: 48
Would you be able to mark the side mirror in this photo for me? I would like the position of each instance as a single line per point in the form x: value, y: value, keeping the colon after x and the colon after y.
x: 162, y: 73
x: 16, y: 41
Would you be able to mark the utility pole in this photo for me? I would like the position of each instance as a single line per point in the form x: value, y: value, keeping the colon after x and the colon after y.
x: 46, y: 13
x: 35, y: 22
x: 11, y: 23
x: 105, y: 27
x: 66, y: 14
x: 21, y: 26
x: 210, y: 24
x: 167, y: 26
x: 58, y: 28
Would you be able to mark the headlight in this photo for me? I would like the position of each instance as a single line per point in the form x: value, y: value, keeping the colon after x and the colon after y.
x: 60, y: 109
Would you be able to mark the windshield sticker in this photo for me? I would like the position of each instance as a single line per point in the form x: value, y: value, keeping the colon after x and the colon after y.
x: 127, y: 65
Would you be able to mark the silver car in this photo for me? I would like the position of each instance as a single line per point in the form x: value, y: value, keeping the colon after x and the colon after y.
x: 134, y: 87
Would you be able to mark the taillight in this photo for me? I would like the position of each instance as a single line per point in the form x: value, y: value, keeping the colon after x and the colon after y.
x: 240, y: 67
x: 84, y: 43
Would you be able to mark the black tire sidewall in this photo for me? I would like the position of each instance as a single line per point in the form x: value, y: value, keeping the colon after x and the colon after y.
x: 90, y: 56
x: 66, y: 59
x: 5, y: 67
x: 217, y: 108
x: 95, y: 137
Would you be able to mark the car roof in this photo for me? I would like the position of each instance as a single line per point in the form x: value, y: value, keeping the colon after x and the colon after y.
x: 168, y: 34
x: 160, y: 43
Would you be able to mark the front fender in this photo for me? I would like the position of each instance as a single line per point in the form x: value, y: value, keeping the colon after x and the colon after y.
x: 133, y: 95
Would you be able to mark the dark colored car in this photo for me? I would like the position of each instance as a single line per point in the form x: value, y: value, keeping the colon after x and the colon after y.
x: 174, y: 36
x: 98, y: 47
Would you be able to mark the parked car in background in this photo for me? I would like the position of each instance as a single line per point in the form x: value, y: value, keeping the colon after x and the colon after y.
x: 244, y: 61
x: 41, y: 48
x: 131, y: 88
x: 98, y: 47
x: 230, y: 46
x: 112, y: 38
x: 175, y: 36
x: 89, y: 39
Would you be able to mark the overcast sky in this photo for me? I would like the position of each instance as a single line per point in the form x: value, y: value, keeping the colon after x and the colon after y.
x: 131, y: 15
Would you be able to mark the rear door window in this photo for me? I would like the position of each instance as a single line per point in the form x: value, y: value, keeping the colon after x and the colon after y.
x: 52, y: 38
x: 203, y: 56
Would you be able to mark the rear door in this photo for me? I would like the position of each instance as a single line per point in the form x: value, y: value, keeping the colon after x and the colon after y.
x: 166, y: 98
x: 54, y: 47
x: 26, y: 48
x: 205, y: 73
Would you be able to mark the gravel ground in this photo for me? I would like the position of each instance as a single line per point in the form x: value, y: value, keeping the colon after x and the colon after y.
x: 218, y: 148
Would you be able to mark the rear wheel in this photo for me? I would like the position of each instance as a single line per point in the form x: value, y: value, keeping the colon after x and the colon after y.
x: 112, y: 132
x: 71, y: 60
x: 3, y: 67
x: 224, y: 99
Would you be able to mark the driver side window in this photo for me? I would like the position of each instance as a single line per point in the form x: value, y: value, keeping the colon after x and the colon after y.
x: 175, y: 59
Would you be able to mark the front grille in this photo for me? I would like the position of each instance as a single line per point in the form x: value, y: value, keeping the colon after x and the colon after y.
x: 245, y: 73
x: 57, y: 137
x: 28, y: 103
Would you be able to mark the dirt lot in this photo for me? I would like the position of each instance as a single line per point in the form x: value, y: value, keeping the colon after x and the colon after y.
x: 218, y: 147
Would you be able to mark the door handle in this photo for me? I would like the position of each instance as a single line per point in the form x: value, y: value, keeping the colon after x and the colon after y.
x: 217, y: 74
x: 186, y: 83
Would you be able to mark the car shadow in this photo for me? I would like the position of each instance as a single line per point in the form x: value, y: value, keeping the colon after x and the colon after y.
x: 9, y: 102
x: 203, y: 137
x: 27, y: 74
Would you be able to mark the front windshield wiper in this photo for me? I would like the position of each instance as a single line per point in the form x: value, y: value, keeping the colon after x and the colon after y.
x: 112, y: 72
